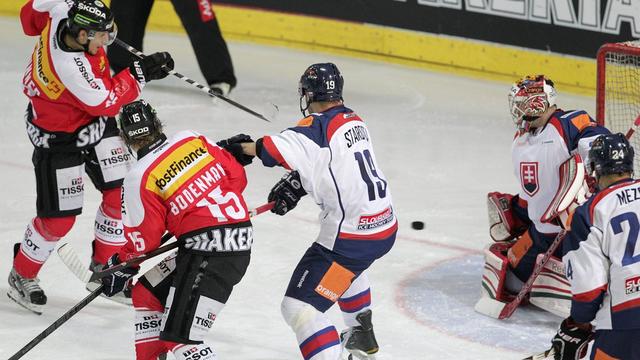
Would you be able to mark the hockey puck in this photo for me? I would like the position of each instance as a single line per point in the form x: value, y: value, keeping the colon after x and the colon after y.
x: 417, y: 225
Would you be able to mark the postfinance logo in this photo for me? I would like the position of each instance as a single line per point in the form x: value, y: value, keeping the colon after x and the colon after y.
x: 43, y: 73
x: 177, y: 167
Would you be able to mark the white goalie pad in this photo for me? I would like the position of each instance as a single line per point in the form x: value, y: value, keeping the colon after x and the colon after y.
x: 493, y: 280
x: 551, y: 291
x: 503, y: 225
x: 572, y: 191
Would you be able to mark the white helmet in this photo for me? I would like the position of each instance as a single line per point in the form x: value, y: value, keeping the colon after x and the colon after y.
x: 530, y: 97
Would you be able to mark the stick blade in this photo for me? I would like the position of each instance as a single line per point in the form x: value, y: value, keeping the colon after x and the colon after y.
x: 490, y: 307
x: 71, y: 260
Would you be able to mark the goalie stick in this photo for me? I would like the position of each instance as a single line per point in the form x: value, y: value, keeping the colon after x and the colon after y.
x: 546, y: 355
x: 203, y: 88
x: 71, y: 259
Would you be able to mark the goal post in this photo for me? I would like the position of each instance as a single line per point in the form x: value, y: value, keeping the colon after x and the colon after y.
x: 618, y: 90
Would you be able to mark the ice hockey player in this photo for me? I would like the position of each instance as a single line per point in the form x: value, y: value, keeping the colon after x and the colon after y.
x: 602, y: 261
x: 546, y: 138
x: 331, y: 158
x: 192, y: 188
x: 71, y: 99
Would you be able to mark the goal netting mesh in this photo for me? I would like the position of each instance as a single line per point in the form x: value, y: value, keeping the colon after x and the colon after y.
x: 618, y: 91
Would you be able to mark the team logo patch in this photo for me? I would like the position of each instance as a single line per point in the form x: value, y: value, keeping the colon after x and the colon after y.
x: 632, y: 285
x: 529, y: 177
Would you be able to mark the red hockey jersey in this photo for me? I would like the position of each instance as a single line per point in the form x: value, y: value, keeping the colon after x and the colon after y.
x: 68, y: 89
x: 185, y: 185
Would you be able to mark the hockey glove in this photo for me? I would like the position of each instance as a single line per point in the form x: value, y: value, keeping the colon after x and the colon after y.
x: 570, y: 343
x: 117, y: 281
x: 234, y: 146
x: 286, y: 193
x: 150, y: 67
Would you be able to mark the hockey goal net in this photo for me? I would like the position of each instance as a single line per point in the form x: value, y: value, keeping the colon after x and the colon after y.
x: 618, y: 90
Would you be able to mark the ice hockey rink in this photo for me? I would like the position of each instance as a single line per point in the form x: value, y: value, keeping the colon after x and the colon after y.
x: 443, y: 142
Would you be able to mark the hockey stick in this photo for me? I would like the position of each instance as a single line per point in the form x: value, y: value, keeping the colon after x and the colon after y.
x: 203, y: 88
x: 633, y: 128
x: 56, y: 324
x: 71, y: 259
x: 500, y: 310
x: 546, y: 355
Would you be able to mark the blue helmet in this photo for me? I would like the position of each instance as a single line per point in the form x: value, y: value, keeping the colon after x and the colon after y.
x: 320, y: 82
x: 611, y: 154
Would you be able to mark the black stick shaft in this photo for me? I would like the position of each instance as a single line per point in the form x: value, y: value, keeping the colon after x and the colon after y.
x: 137, y: 260
x: 204, y: 89
x: 56, y: 324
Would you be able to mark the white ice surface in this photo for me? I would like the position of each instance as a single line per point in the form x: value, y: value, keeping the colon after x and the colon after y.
x: 443, y: 142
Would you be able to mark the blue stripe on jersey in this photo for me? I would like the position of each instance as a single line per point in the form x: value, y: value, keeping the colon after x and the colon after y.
x: 571, y: 133
x: 317, y: 130
x: 583, y: 311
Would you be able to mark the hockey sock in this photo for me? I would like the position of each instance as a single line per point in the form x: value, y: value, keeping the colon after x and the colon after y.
x: 148, y: 321
x: 39, y: 241
x: 317, y: 337
x: 190, y: 351
x: 355, y: 300
x: 109, y: 236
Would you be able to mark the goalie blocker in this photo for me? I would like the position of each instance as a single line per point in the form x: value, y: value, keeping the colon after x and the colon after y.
x: 549, y: 289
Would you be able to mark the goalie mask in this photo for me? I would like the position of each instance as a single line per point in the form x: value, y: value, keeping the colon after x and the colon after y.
x: 611, y: 154
x: 529, y: 98
x: 320, y: 82
x: 138, y: 120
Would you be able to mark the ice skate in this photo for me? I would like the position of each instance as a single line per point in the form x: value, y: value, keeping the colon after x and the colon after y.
x: 359, y: 342
x: 26, y: 292
x: 123, y: 297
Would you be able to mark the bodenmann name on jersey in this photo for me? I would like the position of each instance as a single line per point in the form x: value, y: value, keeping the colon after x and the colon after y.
x: 628, y: 195
x: 355, y: 134
x: 367, y: 222
x: 196, y: 188
x: 177, y: 166
x: 221, y: 240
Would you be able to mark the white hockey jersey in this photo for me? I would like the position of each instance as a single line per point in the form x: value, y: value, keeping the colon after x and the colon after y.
x: 537, y: 157
x: 333, y: 153
x: 602, y: 258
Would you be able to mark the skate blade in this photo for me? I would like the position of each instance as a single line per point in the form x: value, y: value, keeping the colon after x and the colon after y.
x: 357, y: 355
x: 15, y: 296
x: 119, y: 297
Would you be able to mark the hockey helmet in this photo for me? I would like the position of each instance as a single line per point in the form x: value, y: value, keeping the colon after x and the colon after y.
x: 320, y: 82
x: 611, y: 154
x: 92, y: 16
x: 530, y: 97
x: 138, y: 120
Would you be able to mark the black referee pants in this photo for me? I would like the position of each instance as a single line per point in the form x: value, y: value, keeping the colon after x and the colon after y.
x: 199, y: 21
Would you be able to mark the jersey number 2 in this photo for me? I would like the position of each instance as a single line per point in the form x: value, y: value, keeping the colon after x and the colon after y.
x: 365, y: 162
x: 632, y: 239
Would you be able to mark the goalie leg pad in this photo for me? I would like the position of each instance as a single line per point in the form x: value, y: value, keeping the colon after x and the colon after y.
x: 495, y: 271
x: 551, y: 291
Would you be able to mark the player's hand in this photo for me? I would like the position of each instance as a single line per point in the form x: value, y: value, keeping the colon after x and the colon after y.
x: 150, y: 67
x: 234, y: 146
x: 286, y: 193
x: 571, y: 341
x: 117, y: 281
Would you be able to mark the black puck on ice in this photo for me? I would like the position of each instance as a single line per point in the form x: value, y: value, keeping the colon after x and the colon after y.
x: 417, y: 225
